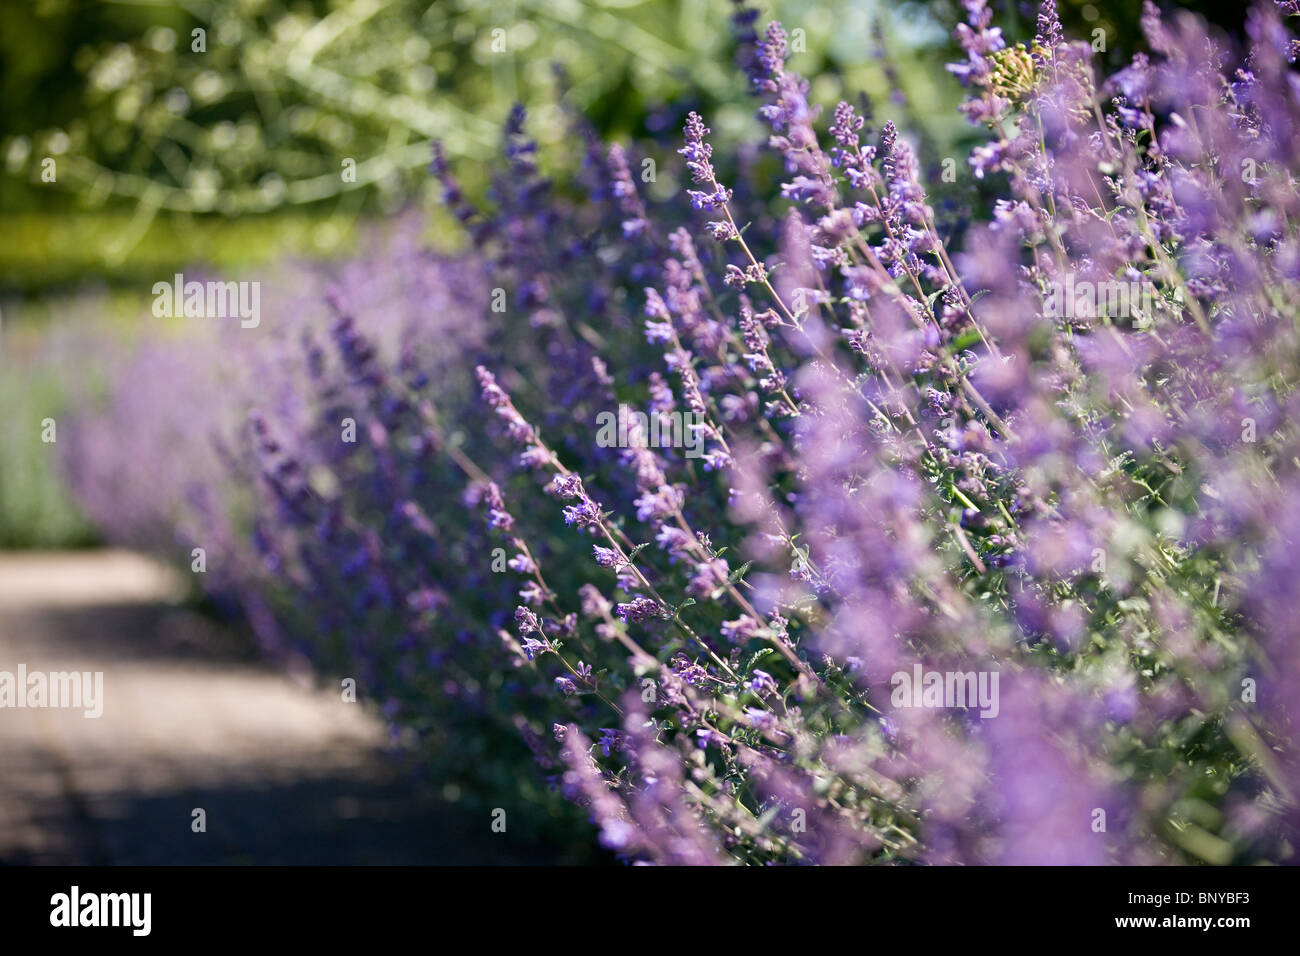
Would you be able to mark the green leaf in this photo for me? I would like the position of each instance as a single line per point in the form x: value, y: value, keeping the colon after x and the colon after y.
x: 758, y: 656
x: 739, y: 573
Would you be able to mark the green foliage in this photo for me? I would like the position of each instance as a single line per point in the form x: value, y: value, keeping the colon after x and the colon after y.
x: 328, y: 109
x: 35, y: 507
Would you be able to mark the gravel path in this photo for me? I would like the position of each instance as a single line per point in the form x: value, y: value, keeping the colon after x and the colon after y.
x: 285, y: 774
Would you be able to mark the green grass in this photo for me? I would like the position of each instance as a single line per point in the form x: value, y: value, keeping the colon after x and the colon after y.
x: 36, y: 510
x: 40, y: 251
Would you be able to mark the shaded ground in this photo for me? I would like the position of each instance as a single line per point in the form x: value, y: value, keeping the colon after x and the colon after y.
x: 285, y: 774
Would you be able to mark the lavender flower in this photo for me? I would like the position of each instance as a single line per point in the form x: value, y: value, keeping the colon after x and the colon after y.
x: 638, y: 610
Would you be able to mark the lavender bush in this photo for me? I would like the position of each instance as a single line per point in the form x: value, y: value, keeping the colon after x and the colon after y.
x: 973, y: 538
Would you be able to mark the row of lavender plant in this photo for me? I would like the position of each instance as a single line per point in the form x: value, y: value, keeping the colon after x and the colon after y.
x: 295, y: 470
x: 975, y: 541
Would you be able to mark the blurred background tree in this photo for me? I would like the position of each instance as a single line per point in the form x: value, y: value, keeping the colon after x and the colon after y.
x: 227, y: 131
